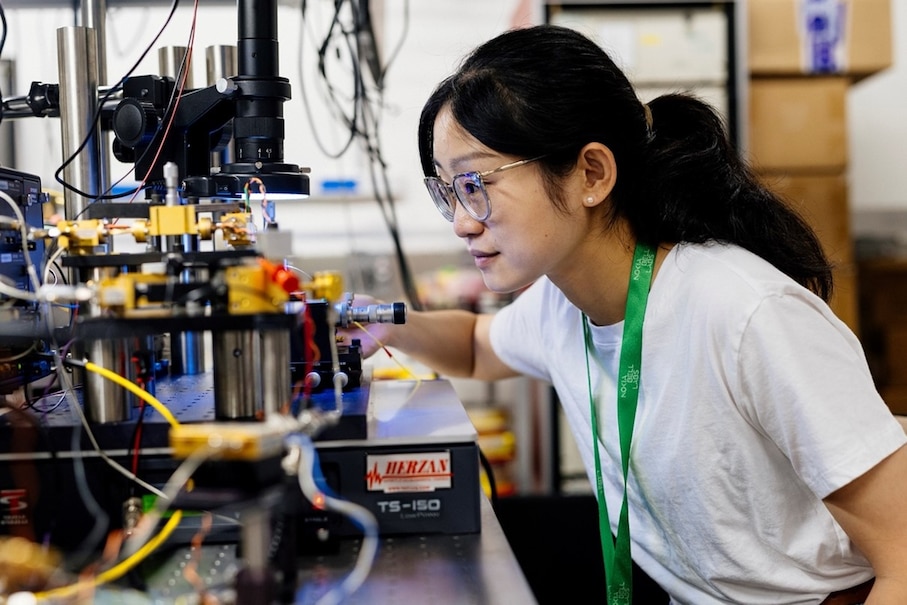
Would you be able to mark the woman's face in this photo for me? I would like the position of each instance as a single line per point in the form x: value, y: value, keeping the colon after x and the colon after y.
x: 525, y: 236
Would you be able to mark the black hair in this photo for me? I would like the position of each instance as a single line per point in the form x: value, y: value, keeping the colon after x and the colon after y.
x: 549, y: 90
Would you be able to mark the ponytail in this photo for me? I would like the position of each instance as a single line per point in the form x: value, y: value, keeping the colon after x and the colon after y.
x: 696, y: 188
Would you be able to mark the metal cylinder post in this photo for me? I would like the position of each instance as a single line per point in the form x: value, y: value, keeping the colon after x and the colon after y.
x: 237, y: 378
x: 94, y: 16
x: 77, y: 63
x: 170, y: 61
x: 275, y: 369
x: 220, y: 62
x: 193, y: 343
x: 7, y: 127
x: 105, y: 401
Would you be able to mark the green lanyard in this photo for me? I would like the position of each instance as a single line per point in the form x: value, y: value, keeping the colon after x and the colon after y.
x: 616, y: 552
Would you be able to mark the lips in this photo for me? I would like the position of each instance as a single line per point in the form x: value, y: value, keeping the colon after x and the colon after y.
x: 482, y: 259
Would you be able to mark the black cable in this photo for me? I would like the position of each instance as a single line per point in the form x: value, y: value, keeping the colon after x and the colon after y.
x: 2, y: 45
x: 489, y: 473
x: 95, y: 121
x: 389, y: 207
x: 62, y: 276
x: 305, y: 101
x: 378, y: 165
x: 392, y: 57
x: 363, y: 123
x: 5, y: 28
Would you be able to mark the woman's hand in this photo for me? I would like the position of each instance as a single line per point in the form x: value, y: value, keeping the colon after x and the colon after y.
x: 372, y: 336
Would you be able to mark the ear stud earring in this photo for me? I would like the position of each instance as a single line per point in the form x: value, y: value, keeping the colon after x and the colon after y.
x: 590, y: 200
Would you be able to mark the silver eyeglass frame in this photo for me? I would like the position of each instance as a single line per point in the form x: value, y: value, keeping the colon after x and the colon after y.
x: 444, y: 195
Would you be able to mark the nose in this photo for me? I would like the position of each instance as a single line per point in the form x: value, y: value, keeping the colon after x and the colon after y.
x: 464, y: 224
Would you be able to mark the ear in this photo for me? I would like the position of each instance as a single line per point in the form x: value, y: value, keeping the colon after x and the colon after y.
x: 599, y: 170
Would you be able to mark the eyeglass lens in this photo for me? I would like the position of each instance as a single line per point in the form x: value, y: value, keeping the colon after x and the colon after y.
x: 471, y: 191
x: 442, y: 195
x: 468, y: 188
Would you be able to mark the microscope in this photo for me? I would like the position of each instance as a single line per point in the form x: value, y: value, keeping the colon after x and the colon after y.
x: 136, y: 427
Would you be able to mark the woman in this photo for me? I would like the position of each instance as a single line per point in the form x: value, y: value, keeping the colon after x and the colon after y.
x: 727, y: 418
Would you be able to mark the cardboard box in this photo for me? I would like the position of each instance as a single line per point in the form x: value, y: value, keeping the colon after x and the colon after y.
x: 896, y: 399
x: 845, y: 300
x: 791, y: 37
x: 798, y: 124
x: 822, y: 200
x: 896, y: 356
x: 883, y: 285
x: 883, y: 317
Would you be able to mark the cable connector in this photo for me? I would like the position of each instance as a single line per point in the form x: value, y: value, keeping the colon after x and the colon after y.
x: 247, y: 441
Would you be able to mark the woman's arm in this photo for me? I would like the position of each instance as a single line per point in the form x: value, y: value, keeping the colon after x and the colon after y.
x: 453, y: 343
x: 872, y: 509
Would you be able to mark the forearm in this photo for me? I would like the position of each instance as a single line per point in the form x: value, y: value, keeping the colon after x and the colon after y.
x: 441, y: 340
x: 453, y: 343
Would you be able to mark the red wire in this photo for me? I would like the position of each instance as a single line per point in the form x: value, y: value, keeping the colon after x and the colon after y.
x: 310, y: 351
x: 138, y: 438
x: 180, y: 89
x: 139, y: 422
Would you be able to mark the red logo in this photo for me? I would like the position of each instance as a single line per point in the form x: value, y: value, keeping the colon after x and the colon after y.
x: 398, y: 469
x: 13, y: 500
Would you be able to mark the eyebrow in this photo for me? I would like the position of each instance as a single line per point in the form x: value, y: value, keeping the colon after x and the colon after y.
x: 459, y: 162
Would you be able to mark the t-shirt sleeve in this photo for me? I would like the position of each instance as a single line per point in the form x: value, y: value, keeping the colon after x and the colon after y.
x: 516, y: 332
x: 806, y: 385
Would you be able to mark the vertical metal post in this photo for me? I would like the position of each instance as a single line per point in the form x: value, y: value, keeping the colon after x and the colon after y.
x: 77, y: 63
x: 220, y: 62
x: 275, y: 370
x: 170, y: 59
x: 104, y: 401
x: 94, y: 16
x: 237, y: 375
x: 7, y: 127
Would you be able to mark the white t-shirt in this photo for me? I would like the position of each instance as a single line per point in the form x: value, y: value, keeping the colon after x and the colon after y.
x: 755, y: 403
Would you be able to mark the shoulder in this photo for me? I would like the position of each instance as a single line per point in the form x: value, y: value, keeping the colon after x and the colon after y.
x: 725, y: 276
x: 727, y: 291
x: 726, y: 262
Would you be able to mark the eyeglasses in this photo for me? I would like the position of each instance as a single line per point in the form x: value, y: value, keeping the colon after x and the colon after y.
x: 469, y: 189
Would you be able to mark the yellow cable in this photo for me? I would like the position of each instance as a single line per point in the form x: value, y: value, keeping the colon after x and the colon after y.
x: 135, y: 390
x: 120, y: 569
